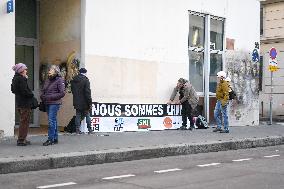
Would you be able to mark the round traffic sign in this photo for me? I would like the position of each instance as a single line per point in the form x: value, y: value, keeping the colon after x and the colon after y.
x: 273, y: 53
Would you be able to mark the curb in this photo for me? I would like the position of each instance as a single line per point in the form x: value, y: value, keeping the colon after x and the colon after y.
x: 53, y: 161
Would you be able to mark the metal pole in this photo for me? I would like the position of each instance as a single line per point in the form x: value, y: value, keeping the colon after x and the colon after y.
x: 207, y: 66
x: 271, y: 98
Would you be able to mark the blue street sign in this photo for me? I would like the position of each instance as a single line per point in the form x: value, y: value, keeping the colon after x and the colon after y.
x: 255, y: 55
x: 273, y: 53
x: 10, y: 6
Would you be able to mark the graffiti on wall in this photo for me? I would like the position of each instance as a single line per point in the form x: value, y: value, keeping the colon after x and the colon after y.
x: 244, y: 76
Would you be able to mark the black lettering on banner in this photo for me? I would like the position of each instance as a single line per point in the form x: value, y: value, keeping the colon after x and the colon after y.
x: 134, y: 110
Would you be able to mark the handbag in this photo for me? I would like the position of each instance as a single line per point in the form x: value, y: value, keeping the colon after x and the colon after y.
x: 34, y: 104
x: 42, y: 107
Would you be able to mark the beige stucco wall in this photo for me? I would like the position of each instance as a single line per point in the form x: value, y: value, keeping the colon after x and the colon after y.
x: 273, y: 36
x: 7, y: 49
x: 60, y: 34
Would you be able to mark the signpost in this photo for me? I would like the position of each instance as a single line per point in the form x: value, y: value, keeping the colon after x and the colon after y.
x: 273, y: 66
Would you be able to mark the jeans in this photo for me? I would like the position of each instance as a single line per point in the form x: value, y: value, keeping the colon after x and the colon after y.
x: 52, y: 110
x: 186, y: 112
x: 221, y: 110
x: 80, y: 115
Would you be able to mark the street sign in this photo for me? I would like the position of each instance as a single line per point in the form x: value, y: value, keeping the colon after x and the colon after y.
x: 273, y: 65
x: 10, y: 6
x: 255, y: 55
x: 273, y: 53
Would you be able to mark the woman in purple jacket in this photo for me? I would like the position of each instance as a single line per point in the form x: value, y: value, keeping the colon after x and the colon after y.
x: 52, y: 93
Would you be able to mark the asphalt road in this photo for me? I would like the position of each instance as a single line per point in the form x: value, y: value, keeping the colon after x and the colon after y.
x: 258, y: 168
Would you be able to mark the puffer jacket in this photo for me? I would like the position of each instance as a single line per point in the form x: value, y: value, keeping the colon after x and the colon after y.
x: 80, y: 87
x: 189, y: 94
x: 24, y: 95
x: 53, y: 91
x: 222, y: 92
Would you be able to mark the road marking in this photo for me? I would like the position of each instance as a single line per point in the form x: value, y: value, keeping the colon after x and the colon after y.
x: 272, y: 156
x: 56, y: 185
x: 207, y: 165
x: 168, y: 170
x: 117, y: 177
x: 238, y: 160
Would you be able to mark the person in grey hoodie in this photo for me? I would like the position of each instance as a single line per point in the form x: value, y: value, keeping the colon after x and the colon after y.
x: 188, y: 99
x: 52, y: 93
x: 82, y: 99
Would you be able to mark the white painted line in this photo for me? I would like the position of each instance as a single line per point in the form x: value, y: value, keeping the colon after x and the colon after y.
x: 168, y: 170
x: 118, y: 177
x: 56, y: 185
x: 238, y: 160
x: 272, y: 156
x: 207, y: 165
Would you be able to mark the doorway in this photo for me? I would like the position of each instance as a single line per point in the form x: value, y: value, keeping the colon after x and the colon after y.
x: 26, y: 48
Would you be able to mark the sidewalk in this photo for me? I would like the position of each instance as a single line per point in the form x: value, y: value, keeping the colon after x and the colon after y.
x: 77, y: 150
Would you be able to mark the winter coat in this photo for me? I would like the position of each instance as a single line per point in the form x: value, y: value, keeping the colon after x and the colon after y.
x: 80, y: 87
x: 53, y: 91
x: 222, y: 92
x: 189, y: 94
x: 24, y: 95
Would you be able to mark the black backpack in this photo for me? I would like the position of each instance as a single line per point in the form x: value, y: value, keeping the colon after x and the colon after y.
x: 71, y: 127
x: 201, y: 122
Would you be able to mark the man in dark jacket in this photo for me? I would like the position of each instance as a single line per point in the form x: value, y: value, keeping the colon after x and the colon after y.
x: 82, y: 100
x: 24, y: 101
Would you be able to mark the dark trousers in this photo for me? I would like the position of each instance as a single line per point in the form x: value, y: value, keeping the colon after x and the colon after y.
x: 25, y: 116
x: 80, y: 115
x: 186, y: 112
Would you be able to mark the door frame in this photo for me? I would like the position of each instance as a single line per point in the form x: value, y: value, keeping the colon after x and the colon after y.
x: 32, y: 43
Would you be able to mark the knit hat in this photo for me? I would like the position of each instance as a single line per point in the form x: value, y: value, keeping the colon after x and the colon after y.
x: 221, y: 74
x: 83, y: 70
x: 19, y: 68
x: 181, y: 80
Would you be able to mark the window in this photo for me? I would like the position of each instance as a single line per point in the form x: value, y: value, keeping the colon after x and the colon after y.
x: 196, y: 31
x: 215, y: 67
x: 196, y: 70
x: 216, y: 34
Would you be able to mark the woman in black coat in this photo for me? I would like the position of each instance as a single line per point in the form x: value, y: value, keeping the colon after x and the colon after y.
x: 25, y: 101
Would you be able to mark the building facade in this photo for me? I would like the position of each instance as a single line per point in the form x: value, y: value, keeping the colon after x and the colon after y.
x: 272, y: 35
x: 134, y: 50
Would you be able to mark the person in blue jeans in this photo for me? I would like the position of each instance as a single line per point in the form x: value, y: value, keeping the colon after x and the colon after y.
x: 222, y: 95
x: 51, y: 95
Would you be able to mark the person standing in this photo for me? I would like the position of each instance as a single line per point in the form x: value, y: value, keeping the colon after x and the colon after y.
x: 188, y: 99
x: 24, y: 101
x: 52, y: 93
x: 82, y: 99
x: 222, y: 95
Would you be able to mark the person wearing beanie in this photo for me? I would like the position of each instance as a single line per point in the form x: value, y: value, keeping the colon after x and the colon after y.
x: 188, y: 99
x: 24, y: 101
x: 222, y: 95
x: 51, y: 95
x: 82, y: 99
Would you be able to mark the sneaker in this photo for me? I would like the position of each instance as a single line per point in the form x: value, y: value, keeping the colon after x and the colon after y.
x: 224, y: 131
x: 48, y: 142
x: 217, y: 129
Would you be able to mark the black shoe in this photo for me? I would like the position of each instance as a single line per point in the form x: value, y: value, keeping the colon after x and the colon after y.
x: 182, y: 128
x: 21, y: 143
x: 28, y: 142
x: 217, y: 129
x: 48, y: 142
x: 55, y: 141
x: 224, y: 131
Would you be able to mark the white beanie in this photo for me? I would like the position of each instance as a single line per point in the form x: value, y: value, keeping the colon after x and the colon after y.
x: 221, y: 74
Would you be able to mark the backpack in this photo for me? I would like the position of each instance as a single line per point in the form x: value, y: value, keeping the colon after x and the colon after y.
x: 201, y: 122
x: 232, y: 95
x: 71, y: 127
